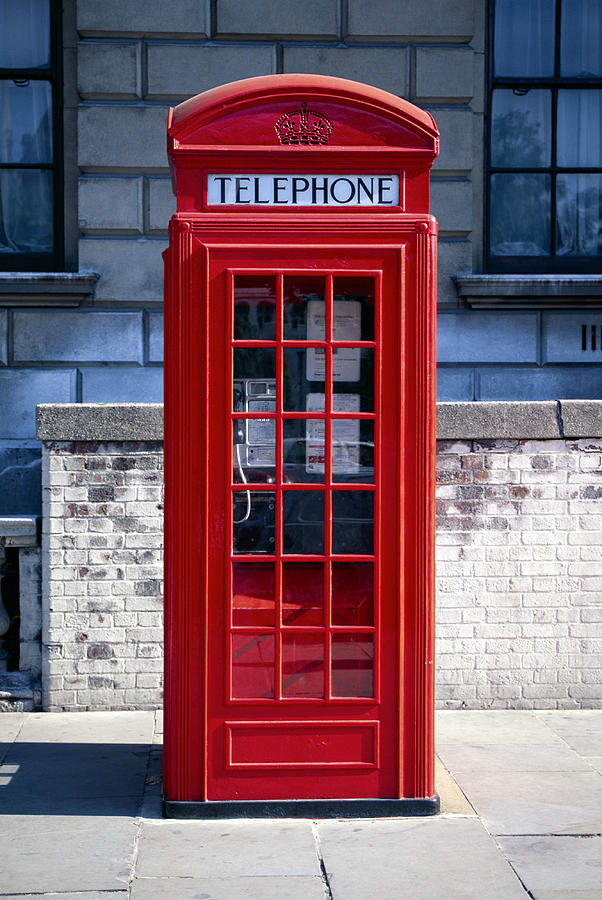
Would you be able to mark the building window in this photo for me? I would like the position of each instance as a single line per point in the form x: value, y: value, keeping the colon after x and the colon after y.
x: 545, y: 136
x: 31, y: 233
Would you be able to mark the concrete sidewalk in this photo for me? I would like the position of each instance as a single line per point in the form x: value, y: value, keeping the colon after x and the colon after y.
x: 522, y: 817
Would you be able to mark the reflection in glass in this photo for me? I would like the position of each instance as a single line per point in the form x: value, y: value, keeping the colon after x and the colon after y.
x: 580, y: 45
x: 253, y: 666
x: 302, y: 665
x: 24, y: 34
x: 296, y: 384
x: 521, y: 128
x: 353, y: 450
x: 259, y: 364
x: 303, y: 452
x: 253, y: 514
x: 302, y: 594
x: 520, y: 215
x: 255, y: 307
x: 579, y: 213
x: 358, y: 293
x: 352, y: 594
x: 524, y: 38
x: 353, y: 522
x: 26, y: 133
x: 579, y: 128
x: 303, y: 522
x: 303, y: 306
x: 352, y: 665
x: 26, y: 211
x: 253, y: 594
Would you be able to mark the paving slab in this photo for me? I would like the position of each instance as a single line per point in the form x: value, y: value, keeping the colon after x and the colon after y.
x: 488, y: 727
x: 557, y: 864
x: 281, y: 847
x: 535, y: 802
x: 581, y: 729
x: 596, y: 763
x: 449, y: 858
x: 89, y: 727
x: 554, y: 756
x: 10, y: 724
x: 78, y: 895
x: 45, y: 854
x: 257, y: 888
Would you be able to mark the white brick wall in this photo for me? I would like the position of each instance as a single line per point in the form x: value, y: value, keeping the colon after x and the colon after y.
x: 519, y: 618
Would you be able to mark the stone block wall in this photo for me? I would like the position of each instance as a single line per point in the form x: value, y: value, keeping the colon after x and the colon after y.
x: 519, y: 546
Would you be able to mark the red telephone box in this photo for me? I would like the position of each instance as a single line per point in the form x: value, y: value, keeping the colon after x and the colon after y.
x: 299, y: 452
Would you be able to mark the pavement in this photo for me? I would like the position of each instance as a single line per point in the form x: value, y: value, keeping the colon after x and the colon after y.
x: 521, y: 791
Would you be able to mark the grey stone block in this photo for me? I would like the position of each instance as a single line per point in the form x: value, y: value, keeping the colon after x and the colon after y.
x: 453, y: 257
x: 487, y: 337
x: 581, y: 418
x: 131, y: 270
x: 20, y: 480
x: 314, y: 18
x: 105, y: 422
x: 451, y: 204
x: 384, y: 67
x: 161, y: 204
x: 139, y: 18
x: 21, y: 389
x: 3, y: 336
x: 122, y: 137
x: 77, y: 336
x: 455, y: 127
x: 550, y: 383
x: 395, y: 19
x: 119, y: 385
x: 108, y: 70
x: 155, y: 337
x: 444, y: 73
x: 482, y: 421
x: 110, y: 204
x: 454, y: 384
x: 177, y: 71
x: 572, y: 337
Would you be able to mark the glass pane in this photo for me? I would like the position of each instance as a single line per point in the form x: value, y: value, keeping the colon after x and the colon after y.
x: 302, y: 594
x: 253, y: 515
x: 521, y: 128
x: 303, y: 450
x: 579, y: 128
x: 253, y: 594
x: 358, y: 293
x: 352, y: 594
x: 296, y: 384
x: 579, y: 212
x: 26, y: 134
x: 253, y: 666
x: 520, y: 215
x: 24, y: 34
x: 255, y: 307
x: 303, y: 522
x: 352, y: 450
x: 303, y: 305
x: 26, y: 211
x: 353, y: 380
x: 524, y: 37
x: 347, y: 326
x: 258, y: 364
x: 353, y: 522
x: 302, y: 665
x: 352, y: 665
x: 580, y: 45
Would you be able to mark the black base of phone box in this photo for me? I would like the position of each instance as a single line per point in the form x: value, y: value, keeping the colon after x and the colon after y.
x: 301, y: 809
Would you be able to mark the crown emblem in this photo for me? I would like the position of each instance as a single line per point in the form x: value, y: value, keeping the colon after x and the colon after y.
x: 303, y: 126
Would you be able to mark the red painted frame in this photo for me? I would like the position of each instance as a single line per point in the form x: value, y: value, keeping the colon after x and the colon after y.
x: 206, y: 247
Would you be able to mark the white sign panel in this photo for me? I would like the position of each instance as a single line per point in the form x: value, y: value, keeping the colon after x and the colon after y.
x: 303, y: 190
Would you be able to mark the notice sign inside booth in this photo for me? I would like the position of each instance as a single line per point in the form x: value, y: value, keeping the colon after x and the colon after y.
x: 303, y: 190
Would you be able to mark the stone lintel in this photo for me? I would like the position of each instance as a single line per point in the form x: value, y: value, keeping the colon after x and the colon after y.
x: 474, y: 420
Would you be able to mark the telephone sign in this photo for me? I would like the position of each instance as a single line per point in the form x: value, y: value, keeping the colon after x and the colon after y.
x: 299, y: 452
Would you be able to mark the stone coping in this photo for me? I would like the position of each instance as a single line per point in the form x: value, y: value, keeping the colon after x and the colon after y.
x: 529, y: 291
x: 19, y: 531
x: 46, y: 288
x: 455, y: 421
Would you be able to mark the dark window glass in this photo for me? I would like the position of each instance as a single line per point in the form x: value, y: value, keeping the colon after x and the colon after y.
x: 520, y: 215
x: 580, y: 44
x: 521, y: 128
x: 524, y: 38
x: 24, y: 34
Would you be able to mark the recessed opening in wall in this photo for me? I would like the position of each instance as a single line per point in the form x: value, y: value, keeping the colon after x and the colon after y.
x: 9, y: 593
x: 591, y: 337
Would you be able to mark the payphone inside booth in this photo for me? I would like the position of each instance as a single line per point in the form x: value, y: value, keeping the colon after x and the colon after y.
x: 299, y: 453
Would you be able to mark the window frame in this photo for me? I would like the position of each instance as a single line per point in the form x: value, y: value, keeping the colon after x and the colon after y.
x: 549, y: 263
x: 54, y: 260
